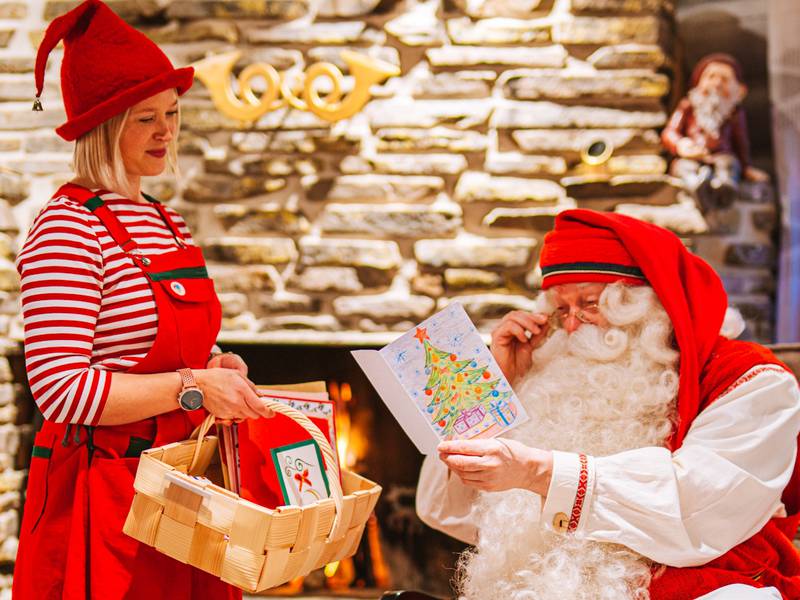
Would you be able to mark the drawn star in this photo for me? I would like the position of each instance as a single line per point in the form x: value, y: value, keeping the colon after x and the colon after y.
x: 422, y: 334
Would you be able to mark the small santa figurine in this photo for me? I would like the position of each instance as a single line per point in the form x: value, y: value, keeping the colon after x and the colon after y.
x: 707, y: 133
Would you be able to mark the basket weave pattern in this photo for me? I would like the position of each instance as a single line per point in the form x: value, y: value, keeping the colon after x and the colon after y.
x: 245, y: 544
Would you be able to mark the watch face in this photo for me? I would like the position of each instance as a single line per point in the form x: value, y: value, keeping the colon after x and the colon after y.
x: 191, y: 399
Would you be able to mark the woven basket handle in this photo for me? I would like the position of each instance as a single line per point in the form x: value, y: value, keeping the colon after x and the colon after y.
x: 331, y: 465
x: 198, y: 434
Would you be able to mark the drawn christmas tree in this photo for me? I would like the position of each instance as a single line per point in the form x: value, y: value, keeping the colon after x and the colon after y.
x: 461, y: 391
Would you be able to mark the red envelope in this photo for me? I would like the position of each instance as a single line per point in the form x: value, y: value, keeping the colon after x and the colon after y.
x: 258, y: 480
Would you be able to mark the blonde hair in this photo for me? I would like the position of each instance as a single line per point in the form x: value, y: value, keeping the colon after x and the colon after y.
x: 97, y: 156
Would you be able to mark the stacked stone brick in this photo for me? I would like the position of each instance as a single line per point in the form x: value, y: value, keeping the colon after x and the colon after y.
x: 444, y: 184
x: 441, y: 188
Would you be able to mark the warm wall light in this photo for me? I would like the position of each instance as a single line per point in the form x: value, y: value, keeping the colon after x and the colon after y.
x: 597, y: 152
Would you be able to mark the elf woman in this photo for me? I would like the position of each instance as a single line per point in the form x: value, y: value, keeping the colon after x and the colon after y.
x: 120, y: 322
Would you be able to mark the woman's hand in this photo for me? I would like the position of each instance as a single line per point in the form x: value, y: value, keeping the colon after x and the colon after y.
x: 514, y: 339
x: 229, y: 395
x: 227, y: 360
x: 494, y: 465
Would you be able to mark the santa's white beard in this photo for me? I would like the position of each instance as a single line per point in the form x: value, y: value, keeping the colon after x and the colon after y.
x: 595, y: 392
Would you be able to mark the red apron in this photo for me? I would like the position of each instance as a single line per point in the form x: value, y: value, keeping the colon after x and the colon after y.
x: 80, y: 483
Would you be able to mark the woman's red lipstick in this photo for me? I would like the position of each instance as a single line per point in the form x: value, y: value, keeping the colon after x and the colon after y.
x: 157, y: 153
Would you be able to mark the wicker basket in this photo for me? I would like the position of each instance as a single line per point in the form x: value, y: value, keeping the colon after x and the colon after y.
x: 247, y: 545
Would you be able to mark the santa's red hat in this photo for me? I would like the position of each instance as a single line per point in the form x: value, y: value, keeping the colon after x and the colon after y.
x: 107, y: 67
x: 589, y: 246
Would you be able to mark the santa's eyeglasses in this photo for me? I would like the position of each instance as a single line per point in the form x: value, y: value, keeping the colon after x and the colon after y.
x: 585, y: 313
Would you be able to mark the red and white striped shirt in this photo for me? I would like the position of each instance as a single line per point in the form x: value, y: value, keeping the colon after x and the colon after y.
x: 88, y: 310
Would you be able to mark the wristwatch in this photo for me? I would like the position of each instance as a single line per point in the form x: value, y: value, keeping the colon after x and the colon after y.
x: 190, y: 396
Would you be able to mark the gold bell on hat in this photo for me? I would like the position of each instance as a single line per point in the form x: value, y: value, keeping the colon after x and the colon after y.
x: 37, y: 104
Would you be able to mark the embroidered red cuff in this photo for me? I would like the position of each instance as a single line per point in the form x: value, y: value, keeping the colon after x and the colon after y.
x: 580, y: 494
x: 569, y: 492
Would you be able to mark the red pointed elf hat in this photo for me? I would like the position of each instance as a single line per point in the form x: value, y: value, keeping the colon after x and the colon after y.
x: 107, y: 67
x: 586, y: 245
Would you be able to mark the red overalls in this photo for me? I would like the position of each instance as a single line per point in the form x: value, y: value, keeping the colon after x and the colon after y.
x: 80, y: 484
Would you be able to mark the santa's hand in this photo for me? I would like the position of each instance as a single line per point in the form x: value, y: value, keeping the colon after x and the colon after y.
x: 494, y: 465
x: 514, y: 339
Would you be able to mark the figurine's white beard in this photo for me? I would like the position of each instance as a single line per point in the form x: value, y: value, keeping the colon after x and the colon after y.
x: 711, y: 111
x: 596, y: 392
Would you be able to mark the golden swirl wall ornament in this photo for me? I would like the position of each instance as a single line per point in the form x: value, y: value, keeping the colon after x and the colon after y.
x: 215, y: 72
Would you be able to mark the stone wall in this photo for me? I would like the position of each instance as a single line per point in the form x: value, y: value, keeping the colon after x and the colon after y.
x: 441, y: 188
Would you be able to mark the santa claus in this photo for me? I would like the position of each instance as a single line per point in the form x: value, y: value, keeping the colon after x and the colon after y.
x: 707, y: 133
x: 659, y: 458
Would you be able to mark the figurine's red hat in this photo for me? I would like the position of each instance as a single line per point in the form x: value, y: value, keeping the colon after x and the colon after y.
x: 107, y: 67
x: 587, y: 245
x: 717, y: 57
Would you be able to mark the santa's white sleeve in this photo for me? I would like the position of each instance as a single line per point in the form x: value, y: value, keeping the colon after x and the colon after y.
x: 444, y: 503
x: 688, y: 507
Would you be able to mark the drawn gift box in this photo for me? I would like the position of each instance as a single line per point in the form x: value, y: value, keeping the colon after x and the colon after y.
x: 469, y: 418
x: 502, y: 412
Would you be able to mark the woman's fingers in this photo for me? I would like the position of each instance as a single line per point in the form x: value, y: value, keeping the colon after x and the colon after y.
x: 252, y: 386
x: 257, y: 403
x: 227, y: 392
x: 261, y: 407
x: 229, y: 360
x: 230, y: 395
x: 249, y: 405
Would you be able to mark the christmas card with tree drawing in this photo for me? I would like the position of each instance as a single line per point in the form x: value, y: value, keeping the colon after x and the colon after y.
x: 440, y: 382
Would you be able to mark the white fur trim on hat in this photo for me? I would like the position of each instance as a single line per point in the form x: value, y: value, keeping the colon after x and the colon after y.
x: 733, y: 324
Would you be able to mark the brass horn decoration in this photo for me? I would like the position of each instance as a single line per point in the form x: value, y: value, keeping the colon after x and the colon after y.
x: 215, y: 73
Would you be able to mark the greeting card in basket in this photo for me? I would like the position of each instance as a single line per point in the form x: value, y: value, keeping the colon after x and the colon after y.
x: 440, y: 382
x: 247, y: 448
x: 301, y: 473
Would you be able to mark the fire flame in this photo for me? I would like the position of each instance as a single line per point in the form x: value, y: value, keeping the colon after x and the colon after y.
x: 330, y: 569
x: 350, y: 444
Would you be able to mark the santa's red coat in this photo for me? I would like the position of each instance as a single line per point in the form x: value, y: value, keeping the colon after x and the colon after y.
x: 768, y: 558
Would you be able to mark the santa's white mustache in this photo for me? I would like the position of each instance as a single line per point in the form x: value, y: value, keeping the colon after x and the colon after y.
x: 588, y: 342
